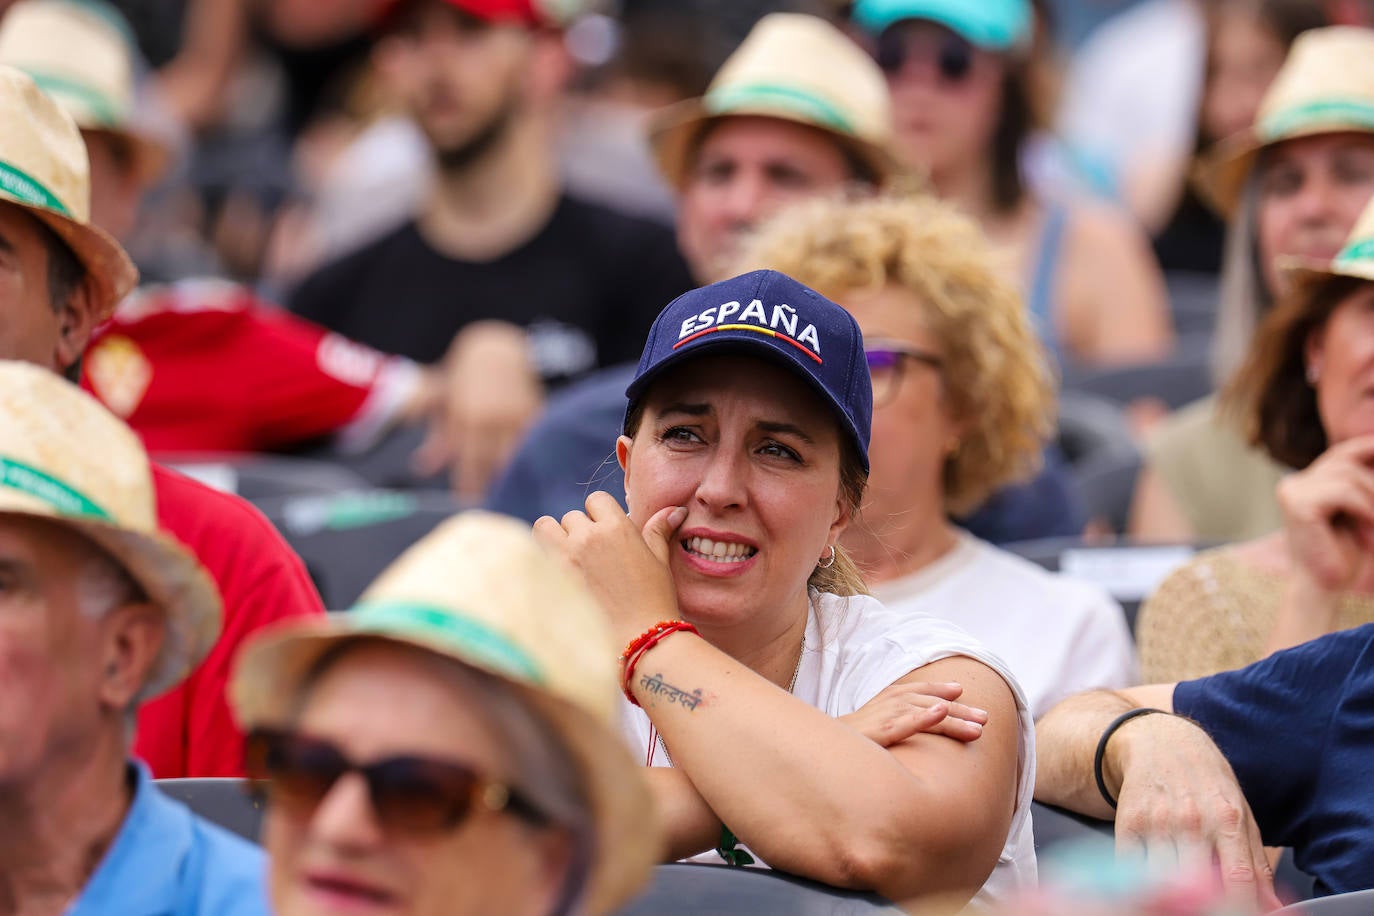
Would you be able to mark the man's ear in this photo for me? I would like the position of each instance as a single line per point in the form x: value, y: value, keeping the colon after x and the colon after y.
x: 622, y: 454
x: 132, y: 635
x: 76, y: 320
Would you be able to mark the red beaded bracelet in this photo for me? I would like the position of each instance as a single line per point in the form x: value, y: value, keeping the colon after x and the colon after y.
x: 643, y: 643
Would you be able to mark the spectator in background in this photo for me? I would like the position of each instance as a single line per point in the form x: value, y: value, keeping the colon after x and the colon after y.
x: 516, y: 795
x: 1302, y: 395
x: 957, y: 73
x: 516, y: 281
x: 69, y: 275
x: 202, y: 366
x: 101, y: 610
x: 963, y: 403
x: 796, y: 111
x: 1247, y: 42
x: 1291, y: 185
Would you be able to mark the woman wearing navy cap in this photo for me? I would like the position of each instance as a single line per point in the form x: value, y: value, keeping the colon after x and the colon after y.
x: 749, y: 633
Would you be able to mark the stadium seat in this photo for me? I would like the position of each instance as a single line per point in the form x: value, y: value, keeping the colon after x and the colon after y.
x: 347, y: 539
x: 1193, y: 300
x: 688, y: 890
x: 257, y: 477
x: 225, y: 802
x: 1176, y: 380
x: 1355, y: 903
x: 1053, y: 826
x: 1103, y: 461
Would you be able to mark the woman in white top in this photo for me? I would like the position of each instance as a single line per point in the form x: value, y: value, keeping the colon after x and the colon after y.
x: 745, y: 456
x: 963, y: 405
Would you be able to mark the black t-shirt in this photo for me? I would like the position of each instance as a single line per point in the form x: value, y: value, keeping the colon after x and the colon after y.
x: 587, y: 288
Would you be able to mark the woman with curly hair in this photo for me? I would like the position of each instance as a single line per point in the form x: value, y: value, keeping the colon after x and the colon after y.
x: 963, y: 403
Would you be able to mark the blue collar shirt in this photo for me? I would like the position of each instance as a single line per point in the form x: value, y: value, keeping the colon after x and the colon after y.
x: 165, y: 861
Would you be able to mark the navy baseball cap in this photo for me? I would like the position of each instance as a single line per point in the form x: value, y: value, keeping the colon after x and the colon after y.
x: 767, y: 314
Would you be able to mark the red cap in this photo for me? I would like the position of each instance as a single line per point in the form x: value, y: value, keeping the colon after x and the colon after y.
x: 518, y: 12
x: 522, y: 11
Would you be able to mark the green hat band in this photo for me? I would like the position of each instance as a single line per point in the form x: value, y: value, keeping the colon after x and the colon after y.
x: 815, y: 109
x: 23, y: 188
x: 105, y: 110
x: 1354, y: 113
x: 67, y: 500
x: 1357, y: 251
x: 471, y: 639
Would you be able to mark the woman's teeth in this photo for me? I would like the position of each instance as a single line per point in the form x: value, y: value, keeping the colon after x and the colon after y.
x: 719, y: 551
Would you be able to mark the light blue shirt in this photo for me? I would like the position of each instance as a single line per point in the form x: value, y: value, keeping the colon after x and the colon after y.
x: 165, y: 861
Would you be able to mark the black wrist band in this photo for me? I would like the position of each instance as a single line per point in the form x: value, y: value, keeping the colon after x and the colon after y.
x: 1102, y: 746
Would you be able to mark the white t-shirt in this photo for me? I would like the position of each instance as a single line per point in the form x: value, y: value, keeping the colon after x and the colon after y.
x: 855, y: 647
x: 1060, y: 636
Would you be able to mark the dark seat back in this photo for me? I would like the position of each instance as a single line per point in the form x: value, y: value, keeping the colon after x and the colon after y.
x: 347, y: 539
x: 687, y: 890
x: 225, y: 802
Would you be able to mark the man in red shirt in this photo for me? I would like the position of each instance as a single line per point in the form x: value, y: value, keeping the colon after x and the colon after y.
x: 203, y: 365
x: 60, y: 276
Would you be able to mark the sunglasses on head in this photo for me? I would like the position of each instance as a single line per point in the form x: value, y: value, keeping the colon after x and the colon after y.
x: 407, y: 793
x: 952, y: 54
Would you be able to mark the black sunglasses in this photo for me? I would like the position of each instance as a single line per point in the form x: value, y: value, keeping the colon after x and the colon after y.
x: 409, y: 794
x: 953, y: 54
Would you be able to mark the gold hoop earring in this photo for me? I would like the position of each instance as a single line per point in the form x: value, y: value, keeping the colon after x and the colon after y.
x: 828, y: 561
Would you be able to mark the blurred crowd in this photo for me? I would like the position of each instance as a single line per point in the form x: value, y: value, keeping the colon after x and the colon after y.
x: 852, y: 365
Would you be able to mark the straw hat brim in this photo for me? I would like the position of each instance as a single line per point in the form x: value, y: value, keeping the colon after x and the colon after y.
x: 272, y: 668
x: 675, y: 131
x: 109, y: 270
x: 1305, y: 275
x: 170, y: 576
x: 151, y: 156
x: 1220, y: 174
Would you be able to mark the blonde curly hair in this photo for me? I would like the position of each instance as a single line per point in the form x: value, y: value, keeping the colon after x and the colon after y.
x: 997, y: 379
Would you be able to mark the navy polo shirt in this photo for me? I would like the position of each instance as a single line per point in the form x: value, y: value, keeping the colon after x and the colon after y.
x: 1298, y: 729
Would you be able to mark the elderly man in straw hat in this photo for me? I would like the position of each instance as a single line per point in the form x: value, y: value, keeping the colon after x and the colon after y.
x: 449, y: 747
x: 167, y: 353
x: 1292, y: 184
x: 62, y: 277
x: 98, y: 611
x: 1279, y: 749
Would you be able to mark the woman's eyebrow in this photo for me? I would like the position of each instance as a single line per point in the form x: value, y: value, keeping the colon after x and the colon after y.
x: 692, y: 410
x: 791, y: 429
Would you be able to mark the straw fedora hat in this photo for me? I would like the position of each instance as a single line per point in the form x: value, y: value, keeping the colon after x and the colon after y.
x: 793, y: 67
x: 1325, y: 86
x: 65, y: 458
x: 80, y: 53
x: 480, y: 589
x: 43, y: 168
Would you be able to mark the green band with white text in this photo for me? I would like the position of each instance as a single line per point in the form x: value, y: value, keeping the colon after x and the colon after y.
x: 66, y: 499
